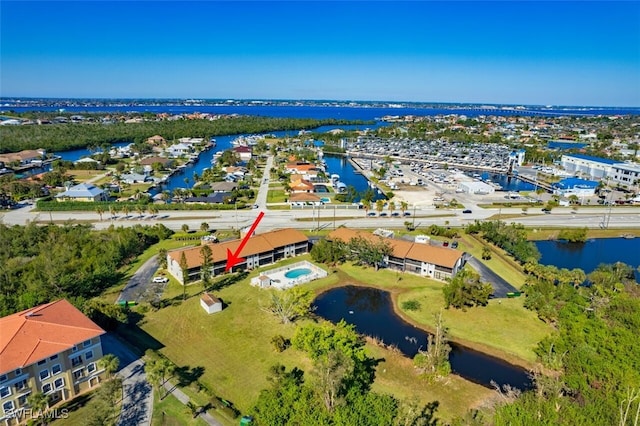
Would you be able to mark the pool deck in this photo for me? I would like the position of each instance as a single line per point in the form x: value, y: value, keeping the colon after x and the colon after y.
x: 280, y: 281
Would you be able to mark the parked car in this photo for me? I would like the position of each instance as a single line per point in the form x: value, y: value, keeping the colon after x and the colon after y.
x: 160, y: 280
x: 466, y: 211
x: 546, y: 211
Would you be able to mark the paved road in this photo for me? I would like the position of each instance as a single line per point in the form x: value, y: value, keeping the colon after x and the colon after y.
x: 592, y: 217
x: 137, y: 402
x: 500, y: 286
x: 140, y: 287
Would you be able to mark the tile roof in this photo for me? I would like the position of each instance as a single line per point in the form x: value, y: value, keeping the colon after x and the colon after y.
x: 43, y: 331
x: 440, y: 256
x: 257, y: 244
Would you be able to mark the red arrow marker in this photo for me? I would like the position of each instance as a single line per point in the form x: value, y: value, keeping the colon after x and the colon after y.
x: 233, y: 258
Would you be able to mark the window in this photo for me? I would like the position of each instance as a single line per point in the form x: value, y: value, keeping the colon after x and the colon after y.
x: 7, y: 406
x: 86, y: 343
x: 18, y: 372
x: 5, y: 391
x: 44, y: 374
x: 76, y: 360
x: 46, y: 388
x: 56, y: 369
x: 21, y: 384
x: 51, y: 358
x: 22, y: 399
x: 42, y: 361
x: 58, y: 383
x: 91, y: 367
x: 78, y: 374
x: 88, y: 355
x: 3, y: 378
x: 74, y: 349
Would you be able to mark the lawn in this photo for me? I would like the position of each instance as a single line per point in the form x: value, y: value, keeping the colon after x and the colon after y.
x: 276, y: 196
x: 170, y: 411
x: 234, y: 350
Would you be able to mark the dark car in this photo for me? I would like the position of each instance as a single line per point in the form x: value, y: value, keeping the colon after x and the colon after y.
x: 467, y: 211
x: 546, y: 211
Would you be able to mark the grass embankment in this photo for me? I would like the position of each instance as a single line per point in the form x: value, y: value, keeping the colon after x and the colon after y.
x: 169, y: 412
x: 235, y: 351
x: 234, y: 348
x: 552, y: 234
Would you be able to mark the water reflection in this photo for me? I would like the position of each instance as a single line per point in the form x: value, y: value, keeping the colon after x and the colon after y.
x: 371, y: 311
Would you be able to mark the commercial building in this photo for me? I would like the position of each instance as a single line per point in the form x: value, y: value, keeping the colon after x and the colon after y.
x: 423, y: 259
x: 52, y: 348
x: 626, y: 175
x: 261, y: 249
x: 575, y: 186
x: 591, y: 167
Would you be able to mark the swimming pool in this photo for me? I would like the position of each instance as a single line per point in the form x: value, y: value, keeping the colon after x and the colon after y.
x: 295, y: 273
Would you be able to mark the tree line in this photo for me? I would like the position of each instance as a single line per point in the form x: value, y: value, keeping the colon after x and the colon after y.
x: 67, y: 136
x: 43, y: 263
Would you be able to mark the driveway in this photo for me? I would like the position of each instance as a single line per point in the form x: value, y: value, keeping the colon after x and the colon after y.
x: 137, y: 395
x: 140, y: 287
x: 500, y: 286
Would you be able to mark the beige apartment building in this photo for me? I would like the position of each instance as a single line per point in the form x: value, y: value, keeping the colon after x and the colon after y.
x: 52, y: 348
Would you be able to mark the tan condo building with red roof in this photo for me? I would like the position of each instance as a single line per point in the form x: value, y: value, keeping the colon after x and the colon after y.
x: 53, y: 349
x: 423, y: 259
x: 261, y: 249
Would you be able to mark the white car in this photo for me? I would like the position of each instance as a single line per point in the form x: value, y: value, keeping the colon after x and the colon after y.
x: 160, y: 280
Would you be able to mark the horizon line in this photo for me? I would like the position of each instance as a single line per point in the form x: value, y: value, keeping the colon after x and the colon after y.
x: 344, y: 101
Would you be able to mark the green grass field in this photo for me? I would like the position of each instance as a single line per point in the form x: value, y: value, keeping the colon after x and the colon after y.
x: 233, y: 347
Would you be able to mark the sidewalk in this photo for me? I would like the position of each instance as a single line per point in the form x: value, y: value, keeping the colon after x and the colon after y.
x: 180, y: 396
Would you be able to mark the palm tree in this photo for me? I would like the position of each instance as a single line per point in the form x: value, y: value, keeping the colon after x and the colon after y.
x: 366, y: 205
x: 392, y: 207
x: 100, y: 211
x: 110, y: 363
x: 185, y: 227
x: 162, y: 258
x: 204, y: 226
x: 38, y: 401
x: 158, y: 371
x: 125, y: 210
x: 140, y: 210
x: 112, y: 211
x: 379, y: 206
x: 403, y: 207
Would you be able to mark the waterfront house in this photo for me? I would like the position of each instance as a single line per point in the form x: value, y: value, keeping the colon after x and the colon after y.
x: 131, y: 178
x: 244, y: 153
x: 423, y: 259
x: 210, y: 303
x: 178, y: 150
x: 260, y: 249
x: 51, y: 348
x: 23, y: 158
x: 83, y: 192
x: 222, y: 186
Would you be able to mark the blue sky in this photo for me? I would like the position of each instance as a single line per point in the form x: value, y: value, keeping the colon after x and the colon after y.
x: 559, y: 53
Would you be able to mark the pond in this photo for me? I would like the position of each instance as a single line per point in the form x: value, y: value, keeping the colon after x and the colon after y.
x: 587, y: 256
x: 371, y: 312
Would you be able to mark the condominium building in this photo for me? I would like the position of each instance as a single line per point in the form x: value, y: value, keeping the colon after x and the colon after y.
x: 53, y: 349
x: 261, y: 249
x: 423, y: 259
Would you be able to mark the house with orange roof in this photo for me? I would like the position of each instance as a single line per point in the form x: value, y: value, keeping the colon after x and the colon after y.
x: 52, y: 348
x: 260, y: 249
x: 406, y: 256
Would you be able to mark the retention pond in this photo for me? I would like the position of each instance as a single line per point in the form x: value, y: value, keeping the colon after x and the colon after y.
x: 371, y: 312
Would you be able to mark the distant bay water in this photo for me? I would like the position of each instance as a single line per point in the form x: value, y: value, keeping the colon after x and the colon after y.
x: 337, y: 112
